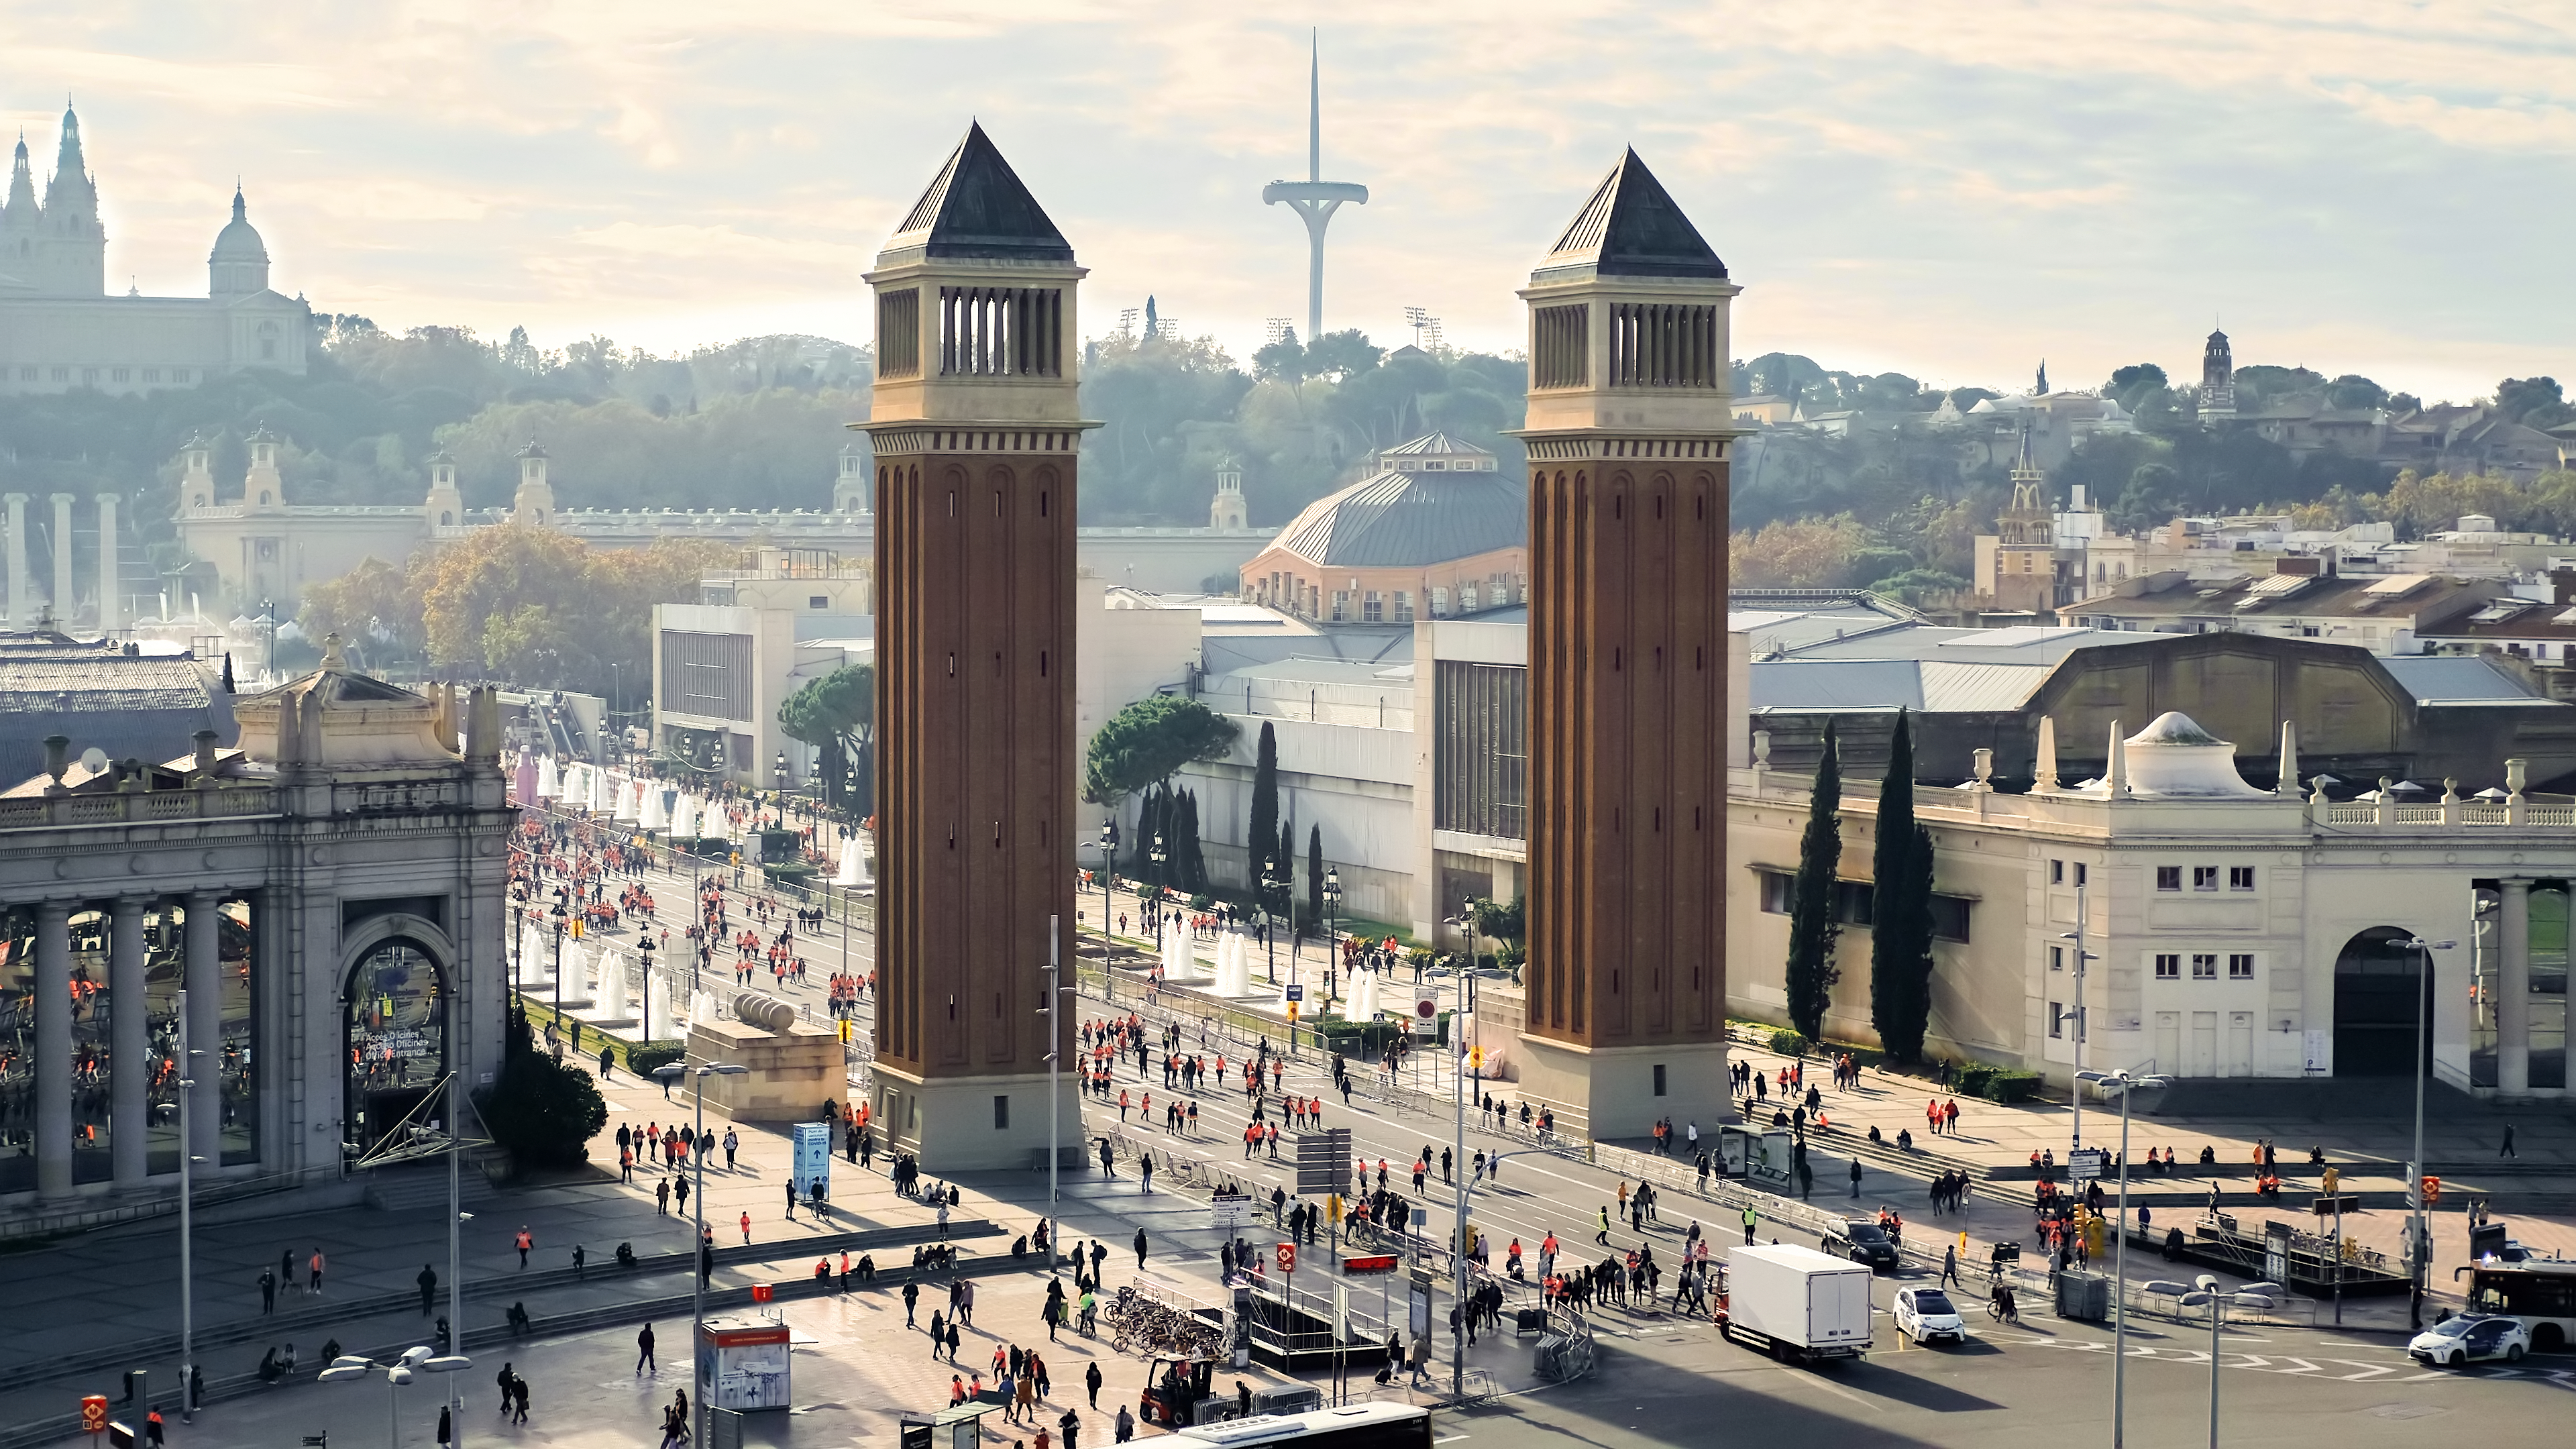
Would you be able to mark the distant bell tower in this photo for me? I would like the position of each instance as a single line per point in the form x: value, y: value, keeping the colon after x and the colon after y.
x: 2217, y: 382
x: 74, y: 246
x: 445, y: 506
x: 975, y: 426
x: 196, y: 474
x: 850, y: 489
x: 263, y: 487
x: 534, y: 500
x: 2026, y: 541
x: 1226, y: 511
x: 1629, y: 433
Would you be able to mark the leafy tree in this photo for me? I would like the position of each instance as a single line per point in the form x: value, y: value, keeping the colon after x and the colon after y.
x: 1811, y: 973
x: 1281, y: 361
x: 837, y: 714
x: 373, y: 606
x: 542, y: 1111
x: 1263, y: 830
x: 2355, y: 391
x: 2532, y: 401
x: 1148, y: 742
x: 1339, y: 356
x: 544, y: 609
x: 1810, y: 553
x: 1900, y: 945
x: 2130, y: 383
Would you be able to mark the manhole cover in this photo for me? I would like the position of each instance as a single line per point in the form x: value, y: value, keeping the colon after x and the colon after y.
x: 2405, y: 1411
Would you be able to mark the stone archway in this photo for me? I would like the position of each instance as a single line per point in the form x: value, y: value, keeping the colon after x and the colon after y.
x: 394, y: 1046
x: 2378, y: 1005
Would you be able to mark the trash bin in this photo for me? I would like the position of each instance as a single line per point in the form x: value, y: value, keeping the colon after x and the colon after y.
x: 2083, y: 1296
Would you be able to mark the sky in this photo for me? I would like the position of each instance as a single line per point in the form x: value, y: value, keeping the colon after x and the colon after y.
x: 1955, y: 191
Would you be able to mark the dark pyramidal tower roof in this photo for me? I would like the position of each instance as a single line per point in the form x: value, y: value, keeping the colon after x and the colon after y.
x: 978, y: 208
x: 1631, y: 228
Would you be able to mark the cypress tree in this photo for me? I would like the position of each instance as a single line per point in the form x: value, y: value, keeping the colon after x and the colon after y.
x: 1314, y: 874
x: 1284, y: 899
x: 1811, y: 972
x: 1900, y: 944
x: 1194, y: 874
x: 1263, y: 836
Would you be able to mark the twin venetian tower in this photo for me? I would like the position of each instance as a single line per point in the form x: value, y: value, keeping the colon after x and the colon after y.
x: 976, y: 426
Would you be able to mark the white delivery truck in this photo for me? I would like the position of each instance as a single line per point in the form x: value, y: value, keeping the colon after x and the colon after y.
x: 1796, y: 1301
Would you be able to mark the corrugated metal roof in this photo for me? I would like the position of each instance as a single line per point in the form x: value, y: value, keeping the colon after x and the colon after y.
x: 133, y: 708
x: 1836, y: 684
x: 1410, y: 520
x: 1974, y: 688
x: 2456, y: 679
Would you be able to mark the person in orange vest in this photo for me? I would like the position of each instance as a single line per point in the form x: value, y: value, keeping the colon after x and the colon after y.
x: 523, y: 1243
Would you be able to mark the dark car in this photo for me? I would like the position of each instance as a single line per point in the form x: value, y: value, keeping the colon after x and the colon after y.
x: 1862, y: 1242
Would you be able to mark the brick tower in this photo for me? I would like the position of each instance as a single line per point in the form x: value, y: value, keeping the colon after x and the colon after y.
x: 1628, y: 435
x: 974, y: 425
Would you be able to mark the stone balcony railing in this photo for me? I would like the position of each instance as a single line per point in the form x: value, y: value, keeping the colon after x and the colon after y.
x: 138, y: 807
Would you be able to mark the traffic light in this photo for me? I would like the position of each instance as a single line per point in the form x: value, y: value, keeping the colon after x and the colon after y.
x: 1475, y: 1059
x: 2333, y: 1179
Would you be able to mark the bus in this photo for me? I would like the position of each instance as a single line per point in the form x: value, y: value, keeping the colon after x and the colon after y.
x: 2541, y: 1294
x: 1353, y: 1426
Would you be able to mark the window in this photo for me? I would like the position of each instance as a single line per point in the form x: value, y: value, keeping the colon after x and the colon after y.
x: 2056, y: 958
x: 122, y: 374
x: 1777, y: 891
x: 2204, y: 877
x: 2057, y: 872
x: 151, y: 374
x: 2240, y: 877
x: 1659, y: 1079
x: 2204, y: 966
x: 1404, y: 606
x: 178, y: 374
x: 2168, y: 877
x: 1002, y: 1114
x: 2057, y: 1019
x: 62, y: 374
x: 2080, y: 873
x: 818, y: 601
x: 1341, y: 605
x: 2168, y: 968
x: 2240, y: 967
x: 1371, y: 610
x: 1949, y: 918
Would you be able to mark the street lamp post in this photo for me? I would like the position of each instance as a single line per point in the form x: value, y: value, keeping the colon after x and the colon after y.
x: 1458, y: 1233
x: 670, y: 1072
x: 561, y: 920
x: 186, y: 1084
x: 1332, y: 915
x: 1108, y: 868
x: 1054, y: 1060
x: 1275, y: 886
x: 2127, y: 1085
x: 397, y: 1374
x: 2081, y: 957
x: 1157, y: 854
x: 2419, y: 1252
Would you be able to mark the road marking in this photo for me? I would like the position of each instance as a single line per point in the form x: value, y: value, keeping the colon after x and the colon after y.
x: 2368, y: 1370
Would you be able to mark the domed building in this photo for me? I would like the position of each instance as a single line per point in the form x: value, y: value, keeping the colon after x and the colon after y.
x: 60, y: 330
x: 1433, y: 528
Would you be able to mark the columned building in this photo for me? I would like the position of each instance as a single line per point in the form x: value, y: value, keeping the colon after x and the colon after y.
x: 975, y: 425
x: 1629, y: 428
x: 329, y: 895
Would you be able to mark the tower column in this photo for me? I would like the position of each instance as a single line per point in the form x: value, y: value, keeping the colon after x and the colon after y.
x: 111, y: 615
x: 17, y: 559
x: 1628, y: 436
x: 63, y: 597
x: 129, y: 1044
x: 975, y: 431
x: 2513, y: 989
x: 53, y: 1050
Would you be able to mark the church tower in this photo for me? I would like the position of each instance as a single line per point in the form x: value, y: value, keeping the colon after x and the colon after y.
x: 1226, y: 510
x: 263, y: 487
x: 21, y: 220
x: 850, y: 489
x: 2217, y: 382
x: 73, y: 252
x: 975, y: 425
x: 1629, y: 432
x: 196, y: 474
x: 2026, y: 542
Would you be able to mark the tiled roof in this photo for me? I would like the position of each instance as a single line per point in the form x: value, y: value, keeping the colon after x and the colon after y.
x: 132, y: 708
x: 977, y: 207
x: 1631, y: 227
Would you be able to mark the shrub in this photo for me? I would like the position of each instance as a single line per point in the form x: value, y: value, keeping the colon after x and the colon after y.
x: 2010, y: 1086
x: 643, y: 1057
x: 1788, y: 1043
x: 1975, y: 1078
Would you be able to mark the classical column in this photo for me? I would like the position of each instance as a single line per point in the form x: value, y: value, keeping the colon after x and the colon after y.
x: 54, y: 1049
x: 205, y: 976
x: 17, y: 559
x: 110, y: 614
x: 129, y: 1044
x: 63, y: 596
x: 2513, y: 991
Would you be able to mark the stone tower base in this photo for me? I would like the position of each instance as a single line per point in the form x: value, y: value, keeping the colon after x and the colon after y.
x: 974, y: 1124
x: 1609, y: 1092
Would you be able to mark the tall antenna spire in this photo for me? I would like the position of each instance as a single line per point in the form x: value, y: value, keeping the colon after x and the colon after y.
x: 1314, y: 199
x: 1314, y: 107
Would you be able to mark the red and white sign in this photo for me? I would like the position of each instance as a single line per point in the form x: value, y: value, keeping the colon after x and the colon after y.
x: 761, y: 1293
x: 1369, y: 1265
x: 94, y: 1414
x: 1287, y: 1257
x: 1426, y: 1008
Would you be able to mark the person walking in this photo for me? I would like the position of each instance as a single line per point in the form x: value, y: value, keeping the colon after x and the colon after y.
x: 953, y: 1340
x: 2507, y: 1149
x: 791, y: 1200
x: 1752, y: 1219
x: 731, y: 1144
x: 746, y: 1228
x: 1140, y: 1248
x: 268, y: 1290
x: 938, y: 1333
x: 445, y: 1427
x: 1949, y: 1266
x: 313, y: 1280
x: 1602, y: 1234
x: 1855, y: 1177
x: 1091, y: 1383
x: 428, y: 1281
x: 524, y: 1242
x: 911, y: 1299
x: 519, y: 1398
x: 502, y: 1379
x: 644, y: 1352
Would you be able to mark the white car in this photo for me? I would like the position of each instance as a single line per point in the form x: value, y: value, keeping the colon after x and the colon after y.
x: 2470, y: 1337
x: 1926, y: 1315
